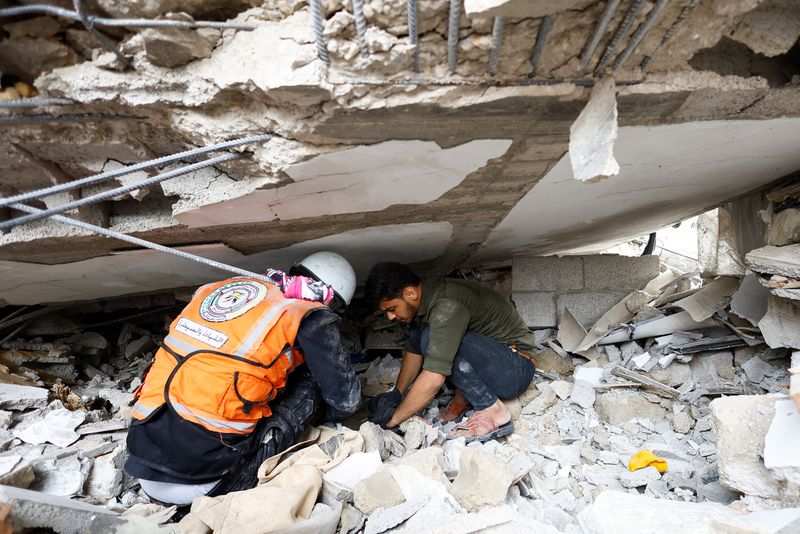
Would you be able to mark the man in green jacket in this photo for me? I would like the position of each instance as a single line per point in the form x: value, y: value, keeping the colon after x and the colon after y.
x: 461, y: 331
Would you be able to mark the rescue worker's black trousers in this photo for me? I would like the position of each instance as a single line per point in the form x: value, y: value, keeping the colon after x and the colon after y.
x: 292, y: 411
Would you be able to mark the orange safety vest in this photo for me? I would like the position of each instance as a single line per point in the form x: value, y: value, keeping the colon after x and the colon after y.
x: 226, y: 356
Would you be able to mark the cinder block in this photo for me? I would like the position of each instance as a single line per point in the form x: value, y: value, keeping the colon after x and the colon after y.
x: 588, y: 306
x: 549, y: 273
x: 537, y: 308
x: 607, y: 271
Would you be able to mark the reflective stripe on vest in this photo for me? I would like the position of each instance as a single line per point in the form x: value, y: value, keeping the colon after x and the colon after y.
x: 226, y: 356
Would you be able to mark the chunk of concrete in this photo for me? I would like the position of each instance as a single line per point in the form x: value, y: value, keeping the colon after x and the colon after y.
x: 551, y: 273
x: 173, y: 47
x: 562, y: 388
x: 384, y: 519
x: 353, y: 469
x: 784, y: 261
x: 755, y: 368
x: 15, y: 471
x: 14, y: 397
x: 483, y: 480
x: 781, y: 324
x: 429, y: 462
x: 750, y: 300
x: 540, y: 404
x: 619, y: 407
x: 54, y: 425
x: 615, y: 512
x: 742, y: 423
x: 640, y: 477
x: 592, y: 135
x: 32, y: 509
x: 64, y: 477
x: 784, y: 228
x: 583, y: 394
x: 377, y: 491
x: 105, y: 478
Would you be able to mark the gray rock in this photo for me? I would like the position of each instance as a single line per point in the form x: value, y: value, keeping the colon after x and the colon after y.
x: 38, y: 510
x: 640, y: 477
x: 583, y: 394
x: 429, y: 462
x: 377, y: 491
x: 714, y: 491
x: 540, y: 404
x: 385, y: 518
x: 682, y: 422
x: 619, y: 407
x: 14, y: 397
x: 173, y: 47
x: 755, y: 368
x: 562, y: 388
x: 483, y: 480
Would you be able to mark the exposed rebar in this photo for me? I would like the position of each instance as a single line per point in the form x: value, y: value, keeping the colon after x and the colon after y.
x: 612, y: 47
x: 639, y: 34
x: 452, y: 35
x: 361, y: 26
x: 143, y: 166
x: 41, y: 9
x: 318, y: 28
x: 673, y: 30
x: 413, y: 35
x: 541, y: 39
x: 599, y: 31
x: 497, y: 41
x: 36, y: 102
x: 11, y: 120
x: 142, y: 243
x: 105, y: 195
x: 99, y: 36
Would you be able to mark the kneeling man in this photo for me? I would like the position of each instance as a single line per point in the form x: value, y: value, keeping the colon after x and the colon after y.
x: 461, y: 330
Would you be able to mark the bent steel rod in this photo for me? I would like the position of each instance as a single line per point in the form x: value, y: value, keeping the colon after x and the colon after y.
x: 637, y: 37
x: 108, y: 175
x: 143, y: 243
x: 105, y: 195
x: 41, y: 9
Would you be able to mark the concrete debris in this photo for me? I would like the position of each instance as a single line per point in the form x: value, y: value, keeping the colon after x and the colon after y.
x: 640, y: 477
x: 54, y: 424
x: 377, y: 491
x: 483, y: 480
x: 173, y: 47
x: 781, y: 324
x: 33, y: 509
x: 14, y: 397
x: 592, y: 135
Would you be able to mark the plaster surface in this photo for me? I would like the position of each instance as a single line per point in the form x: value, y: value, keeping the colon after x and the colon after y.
x: 360, y: 179
x: 140, y: 271
x: 668, y: 173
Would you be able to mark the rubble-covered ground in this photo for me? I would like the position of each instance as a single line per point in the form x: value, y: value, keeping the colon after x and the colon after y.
x: 698, y: 376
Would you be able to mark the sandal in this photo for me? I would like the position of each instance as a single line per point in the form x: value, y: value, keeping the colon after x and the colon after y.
x: 453, y: 411
x: 480, y: 427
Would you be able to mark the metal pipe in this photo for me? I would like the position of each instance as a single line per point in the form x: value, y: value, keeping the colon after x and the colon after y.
x: 361, y: 26
x: 413, y: 35
x: 105, y: 195
x: 640, y: 32
x: 100, y: 37
x: 612, y: 47
x: 41, y: 9
x: 673, y: 30
x: 599, y: 31
x: 142, y: 243
x: 318, y: 28
x: 36, y: 102
x: 13, y: 120
x: 108, y: 175
x: 497, y: 41
x: 452, y: 35
x: 541, y: 38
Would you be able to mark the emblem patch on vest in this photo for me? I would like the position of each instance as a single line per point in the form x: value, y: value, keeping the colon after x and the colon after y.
x: 232, y: 300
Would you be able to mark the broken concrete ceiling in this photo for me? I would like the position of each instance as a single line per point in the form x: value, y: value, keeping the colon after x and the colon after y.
x: 475, y: 166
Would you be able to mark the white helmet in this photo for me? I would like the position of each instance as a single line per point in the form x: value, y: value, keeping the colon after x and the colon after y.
x: 333, y: 270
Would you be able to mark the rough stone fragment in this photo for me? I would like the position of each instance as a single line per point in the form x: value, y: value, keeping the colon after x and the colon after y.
x: 28, y: 57
x: 603, y: 475
x: 784, y: 261
x: 784, y: 228
x: 592, y: 135
x: 105, y: 478
x: 712, y: 368
x: 416, y: 486
x: 781, y: 324
x: 483, y: 480
x: 414, y: 432
x: 755, y: 368
x: 640, y: 477
x: 541, y: 403
x: 173, y: 47
x: 619, y: 407
x: 583, y: 394
x: 385, y: 518
x: 742, y: 423
x: 14, y: 397
x: 550, y: 361
x: 716, y: 492
x: 377, y: 491
x: 429, y: 462
x: 14, y: 471
x: 64, y: 476
x: 682, y: 422
x: 770, y: 29
x: 562, y: 388
x: 452, y: 450
x: 32, y: 509
x: 54, y: 424
x: 750, y: 300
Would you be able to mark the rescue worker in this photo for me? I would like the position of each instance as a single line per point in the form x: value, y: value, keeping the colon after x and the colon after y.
x: 243, y: 369
x: 461, y: 331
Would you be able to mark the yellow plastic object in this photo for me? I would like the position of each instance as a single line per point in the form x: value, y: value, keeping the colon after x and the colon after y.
x: 642, y: 459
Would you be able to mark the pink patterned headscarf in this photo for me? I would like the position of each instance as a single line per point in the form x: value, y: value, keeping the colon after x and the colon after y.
x: 301, y: 287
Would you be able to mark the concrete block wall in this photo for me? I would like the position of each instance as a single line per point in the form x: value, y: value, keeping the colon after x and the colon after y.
x: 588, y: 285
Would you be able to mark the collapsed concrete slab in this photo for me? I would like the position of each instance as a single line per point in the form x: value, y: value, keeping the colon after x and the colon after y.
x: 32, y: 509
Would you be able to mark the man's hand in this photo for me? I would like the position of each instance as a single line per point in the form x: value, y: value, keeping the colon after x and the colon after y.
x: 421, y: 393
x: 382, y: 407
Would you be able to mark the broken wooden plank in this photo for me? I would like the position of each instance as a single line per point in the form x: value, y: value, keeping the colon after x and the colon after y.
x: 659, y: 388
